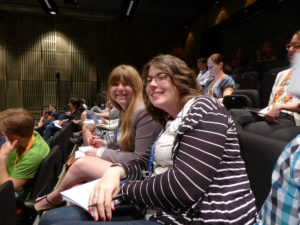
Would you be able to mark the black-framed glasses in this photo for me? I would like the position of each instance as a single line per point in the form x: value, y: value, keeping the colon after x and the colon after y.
x: 159, y: 78
x: 294, y: 45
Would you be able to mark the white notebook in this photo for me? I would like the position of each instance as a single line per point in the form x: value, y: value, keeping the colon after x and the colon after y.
x: 80, y: 194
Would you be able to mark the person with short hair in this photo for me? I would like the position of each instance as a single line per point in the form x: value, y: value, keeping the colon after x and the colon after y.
x: 203, y: 75
x: 23, y: 150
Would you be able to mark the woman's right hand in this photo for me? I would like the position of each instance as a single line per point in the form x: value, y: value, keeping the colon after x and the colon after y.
x: 104, y: 190
x: 96, y: 142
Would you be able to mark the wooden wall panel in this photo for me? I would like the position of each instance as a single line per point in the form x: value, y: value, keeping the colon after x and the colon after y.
x: 46, y: 59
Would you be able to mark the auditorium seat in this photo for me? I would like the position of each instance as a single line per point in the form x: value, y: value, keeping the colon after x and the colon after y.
x: 247, y: 80
x: 260, y: 154
x: 7, y: 204
x: 241, y: 99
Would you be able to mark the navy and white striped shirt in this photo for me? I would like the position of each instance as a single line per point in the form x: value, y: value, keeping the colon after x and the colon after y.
x: 208, y: 182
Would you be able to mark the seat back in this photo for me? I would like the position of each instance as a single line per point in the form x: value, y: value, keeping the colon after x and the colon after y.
x: 247, y: 80
x: 237, y: 101
x: 48, y: 173
x: 242, y: 98
x: 260, y: 154
x: 253, y: 94
x: 7, y: 204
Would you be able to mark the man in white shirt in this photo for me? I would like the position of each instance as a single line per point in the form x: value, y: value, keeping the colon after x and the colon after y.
x: 203, y: 75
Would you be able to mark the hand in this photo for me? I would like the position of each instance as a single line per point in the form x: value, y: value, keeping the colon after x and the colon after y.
x: 102, y: 193
x: 8, y: 146
x: 271, y: 115
x: 96, y: 142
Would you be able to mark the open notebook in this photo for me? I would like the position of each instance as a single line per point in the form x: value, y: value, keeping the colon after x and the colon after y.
x: 79, y: 195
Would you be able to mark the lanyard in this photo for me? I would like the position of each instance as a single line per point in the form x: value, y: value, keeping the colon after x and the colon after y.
x: 211, y: 88
x: 279, y: 92
x: 30, y: 143
x: 150, y: 164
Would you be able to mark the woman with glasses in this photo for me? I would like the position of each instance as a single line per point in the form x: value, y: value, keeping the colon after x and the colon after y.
x: 219, y: 84
x: 137, y: 130
x: 192, y: 174
x: 282, y: 109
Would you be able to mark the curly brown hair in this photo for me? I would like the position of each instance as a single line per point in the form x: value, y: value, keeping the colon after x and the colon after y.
x: 182, y: 77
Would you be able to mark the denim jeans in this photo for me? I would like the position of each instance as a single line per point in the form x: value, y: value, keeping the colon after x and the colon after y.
x: 74, y: 215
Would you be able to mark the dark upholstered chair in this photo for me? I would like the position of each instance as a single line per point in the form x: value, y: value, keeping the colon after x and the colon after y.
x: 241, y: 99
x: 47, y: 176
x: 8, y: 214
x: 260, y: 154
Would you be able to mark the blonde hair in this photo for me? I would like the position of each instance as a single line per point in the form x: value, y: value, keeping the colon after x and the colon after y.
x: 182, y: 77
x: 17, y: 121
x: 131, y: 77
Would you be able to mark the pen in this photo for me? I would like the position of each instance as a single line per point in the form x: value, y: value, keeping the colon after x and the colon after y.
x: 113, y: 198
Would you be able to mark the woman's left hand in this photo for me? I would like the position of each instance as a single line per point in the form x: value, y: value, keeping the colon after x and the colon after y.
x: 102, y: 194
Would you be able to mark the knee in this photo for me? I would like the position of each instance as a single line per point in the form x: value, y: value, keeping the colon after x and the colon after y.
x: 88, y: 127
x: 79, y: 166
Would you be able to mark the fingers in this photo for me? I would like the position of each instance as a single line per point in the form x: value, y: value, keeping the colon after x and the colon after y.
x: 93, y: 203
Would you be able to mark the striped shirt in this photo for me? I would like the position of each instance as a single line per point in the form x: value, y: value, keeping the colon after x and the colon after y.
x: 208, y: 183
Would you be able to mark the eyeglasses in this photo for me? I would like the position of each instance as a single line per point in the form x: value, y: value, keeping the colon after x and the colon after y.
x: 295, y: 46
x: 159, y: 78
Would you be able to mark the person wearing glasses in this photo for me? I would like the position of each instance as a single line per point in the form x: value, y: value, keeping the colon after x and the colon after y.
x: 219, y: 84
x: 136, y: 132
x: 282, y: 110
x: 192, y: 174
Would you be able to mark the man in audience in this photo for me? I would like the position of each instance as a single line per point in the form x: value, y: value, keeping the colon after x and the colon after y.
x: 44, y: 121
x: 23, y: 150
x: 282, y: 110
x: 53, y: 109
x: 283, y: 203
x: 203, y: 75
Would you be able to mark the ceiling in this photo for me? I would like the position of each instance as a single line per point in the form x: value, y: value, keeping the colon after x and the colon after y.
x: 155, y: 12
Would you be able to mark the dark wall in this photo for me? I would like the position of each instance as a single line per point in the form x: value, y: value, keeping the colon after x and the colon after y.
x: 264, y: 20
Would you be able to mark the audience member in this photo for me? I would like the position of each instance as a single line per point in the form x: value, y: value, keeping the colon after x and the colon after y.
x: 239, y: 59
x: 194, y: 170
x: 23, y: 150
x: 137, y: 132
x: 219, y: 84
x: 75, y: 105
x: 282, y: 109
x: 283, y: 203
x: 53, y: 109
x: 44, y: 121
x: 203, y: 75
x: 266, y: 54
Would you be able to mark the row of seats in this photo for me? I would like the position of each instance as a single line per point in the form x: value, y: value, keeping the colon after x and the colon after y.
x: 260, y: 154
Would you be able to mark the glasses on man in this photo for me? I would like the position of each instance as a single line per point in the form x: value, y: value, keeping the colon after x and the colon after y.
x: 295, y: 46
x: 159, y: 78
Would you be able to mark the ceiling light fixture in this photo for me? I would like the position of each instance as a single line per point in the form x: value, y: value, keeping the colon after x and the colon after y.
x: 49, y: 6
x: 128, y: 9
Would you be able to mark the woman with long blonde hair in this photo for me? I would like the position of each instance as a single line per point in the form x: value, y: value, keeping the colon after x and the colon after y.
x: 137, y: 131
